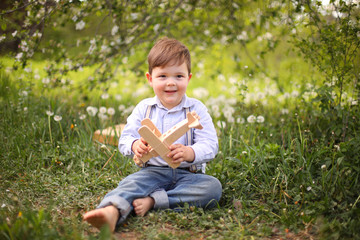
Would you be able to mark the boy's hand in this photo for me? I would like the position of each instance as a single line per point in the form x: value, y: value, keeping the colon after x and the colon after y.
x: 180, y: 153
x: 140, y: 147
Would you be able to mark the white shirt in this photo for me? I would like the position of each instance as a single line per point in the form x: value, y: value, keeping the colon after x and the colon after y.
x: 205, y: 141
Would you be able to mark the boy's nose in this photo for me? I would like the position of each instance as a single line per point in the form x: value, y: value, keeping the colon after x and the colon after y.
x: 170, y: 82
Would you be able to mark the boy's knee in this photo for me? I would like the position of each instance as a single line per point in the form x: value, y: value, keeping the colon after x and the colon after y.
x: 214, y: 188
x: 217, y: 188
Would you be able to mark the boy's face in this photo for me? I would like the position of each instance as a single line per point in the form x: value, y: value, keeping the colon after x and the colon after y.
x: 169, y: 83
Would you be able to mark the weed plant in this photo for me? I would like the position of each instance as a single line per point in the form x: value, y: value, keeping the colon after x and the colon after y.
x: 281, y: 177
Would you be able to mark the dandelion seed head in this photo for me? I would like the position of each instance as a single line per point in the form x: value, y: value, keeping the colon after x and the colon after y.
x: 221, y: 124
x: 24, y: 93
x: 92, y: 111
x: 82, y: 117
x: 309, y: 188
x: 111, y: 111
x: 49, y: 113
x: 285, y: 111
x: 103, y: 147
x: 251, y: 119
x: 118, y: 97
x: 103, y: 116
x: 121, y: 108
x: 102, y: 110
x: 240, y: 120
x: 57, y: 118
x: 260, y: 119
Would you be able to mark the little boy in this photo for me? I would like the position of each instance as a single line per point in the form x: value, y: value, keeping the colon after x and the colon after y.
x: 156, y: 185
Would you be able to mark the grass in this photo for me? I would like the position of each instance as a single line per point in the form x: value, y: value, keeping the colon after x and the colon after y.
x: 283, y: 178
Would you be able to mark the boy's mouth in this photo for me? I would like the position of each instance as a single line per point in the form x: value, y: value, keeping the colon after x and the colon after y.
x: 170, y: 91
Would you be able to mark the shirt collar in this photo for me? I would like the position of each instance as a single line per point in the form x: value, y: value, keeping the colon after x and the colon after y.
x: 185, y: 103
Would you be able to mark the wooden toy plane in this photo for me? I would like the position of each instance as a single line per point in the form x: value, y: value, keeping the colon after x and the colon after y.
x: 160, y: 143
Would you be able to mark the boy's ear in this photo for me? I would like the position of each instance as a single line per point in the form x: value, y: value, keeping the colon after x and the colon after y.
x: 149, y: 78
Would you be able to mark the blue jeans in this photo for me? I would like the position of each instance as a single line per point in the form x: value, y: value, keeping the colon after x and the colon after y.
x: 170, y: 188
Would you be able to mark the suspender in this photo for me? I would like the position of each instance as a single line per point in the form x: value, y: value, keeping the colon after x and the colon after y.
x: 188, y: 136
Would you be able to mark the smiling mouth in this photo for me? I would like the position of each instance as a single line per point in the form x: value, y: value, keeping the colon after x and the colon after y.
x: 170, y: 91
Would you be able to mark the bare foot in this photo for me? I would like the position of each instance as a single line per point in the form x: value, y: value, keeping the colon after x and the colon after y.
x: 99, y: 217
x: 143, y: 205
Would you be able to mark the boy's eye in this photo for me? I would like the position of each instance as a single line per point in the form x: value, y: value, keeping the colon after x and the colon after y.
x: 180, y: 76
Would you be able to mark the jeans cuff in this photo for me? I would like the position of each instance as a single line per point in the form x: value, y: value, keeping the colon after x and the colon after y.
x: 161, y: 199
x: 120, y: 203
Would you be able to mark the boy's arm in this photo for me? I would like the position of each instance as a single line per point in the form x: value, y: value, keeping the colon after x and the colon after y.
x: 130, y: 134
x: 205, y: 140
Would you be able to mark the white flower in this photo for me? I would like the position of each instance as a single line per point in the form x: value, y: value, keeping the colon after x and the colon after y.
x: 284, y: 111
x: 156, y: 27
x: 82, y: 117
x: 240, y: 120
x: 294, y: 93
x: 111, y: 111
x: 200, y: 92
x: 243, y: 36
x: 57, y: 118
x: 2, y: 38
x: 102, y: 110
x: 221, y: 124
x: 244, y: 152
x: 103, y: 116
x: 121, y: 108
x: 49, y: 113
x: 229, y: 114
x: 251, y: 119
x: 260, y: 119
x: 105, y: 96
x: 19, y: 56
x: 267, y: 36
x: 134, y: 15
x: 14, y: 33
x: 80, y: 25
x: 91, y: 110
x: 114, y: 30
x: 118, y: 97
x: 355, y: 102
x: 3, y: 205
x: 323, y: 167
x: 45, y: 80
x: 23, y: 93
x: 25, y: 109
x: 105, y: 49
x: 309, y: 188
